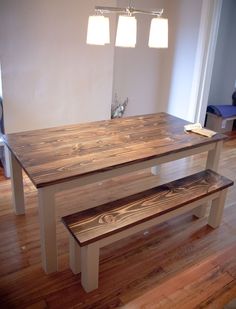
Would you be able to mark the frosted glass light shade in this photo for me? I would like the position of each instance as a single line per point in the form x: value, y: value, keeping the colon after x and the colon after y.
x: 98, y: 30
x: 158, y: 37
x: 107, y: 30
x: 126, y: 31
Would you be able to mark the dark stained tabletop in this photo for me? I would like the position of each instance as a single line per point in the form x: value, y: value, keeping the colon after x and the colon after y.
x: 63, y: 153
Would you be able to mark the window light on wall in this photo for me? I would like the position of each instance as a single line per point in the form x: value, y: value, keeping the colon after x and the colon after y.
x: 98, y: 32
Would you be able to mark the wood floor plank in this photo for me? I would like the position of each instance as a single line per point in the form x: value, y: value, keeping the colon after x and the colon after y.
x: 189, y: 288
x: 220, y: 298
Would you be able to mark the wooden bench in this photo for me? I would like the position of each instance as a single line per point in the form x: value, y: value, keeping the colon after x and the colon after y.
x: 97, y: 227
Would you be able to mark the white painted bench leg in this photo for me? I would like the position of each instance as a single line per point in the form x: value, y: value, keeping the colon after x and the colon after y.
x: 75, y: 255
x: 17, y: 185
x: 212, y: 163
x: 200, y: 211
x: 217, y: 209
x: 155, y: 170
x: 90, y: 266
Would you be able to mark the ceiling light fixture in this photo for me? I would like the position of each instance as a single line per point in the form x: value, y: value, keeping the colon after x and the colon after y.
x: 98, y: 30
x: 99, y: 33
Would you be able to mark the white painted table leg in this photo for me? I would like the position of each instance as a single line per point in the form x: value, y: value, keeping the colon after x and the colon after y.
x: 90, y: 267
x: 75, y: 252
x: 217, y: 208
x: 155, y: 170
x: 47, y: 221
x: 17, y: 185
x: 213, y: 157
x: 212, y: 163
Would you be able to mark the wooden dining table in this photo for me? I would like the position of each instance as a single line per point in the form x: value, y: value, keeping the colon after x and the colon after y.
x: 65, y: 157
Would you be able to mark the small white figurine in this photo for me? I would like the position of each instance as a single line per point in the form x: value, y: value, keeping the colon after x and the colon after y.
x: 118, y: 109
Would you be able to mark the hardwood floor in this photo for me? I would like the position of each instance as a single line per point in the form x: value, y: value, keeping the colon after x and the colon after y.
x: 182, y: 263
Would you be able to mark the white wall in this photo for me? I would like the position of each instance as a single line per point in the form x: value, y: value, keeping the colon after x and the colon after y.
x: 50, y: 76
x: 179, y: 61
x: 0, y: 81
x: 224, y: 70
x: 137, y: 70
x: 157, y: 80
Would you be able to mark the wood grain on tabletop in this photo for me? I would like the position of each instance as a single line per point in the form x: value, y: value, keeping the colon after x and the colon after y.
x: 99, y: 222
x: 62, y: 153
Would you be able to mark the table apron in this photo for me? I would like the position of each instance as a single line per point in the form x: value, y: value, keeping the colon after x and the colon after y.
x: 118, y: 171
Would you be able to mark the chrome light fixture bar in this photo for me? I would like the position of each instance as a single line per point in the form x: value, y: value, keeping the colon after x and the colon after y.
x: 98, y: 27
x: 129, y: 10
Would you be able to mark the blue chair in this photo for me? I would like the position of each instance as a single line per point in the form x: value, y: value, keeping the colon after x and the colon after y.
x: 220, y: 118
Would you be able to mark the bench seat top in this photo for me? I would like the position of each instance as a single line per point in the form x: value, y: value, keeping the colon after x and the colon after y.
x: 99, y: 222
